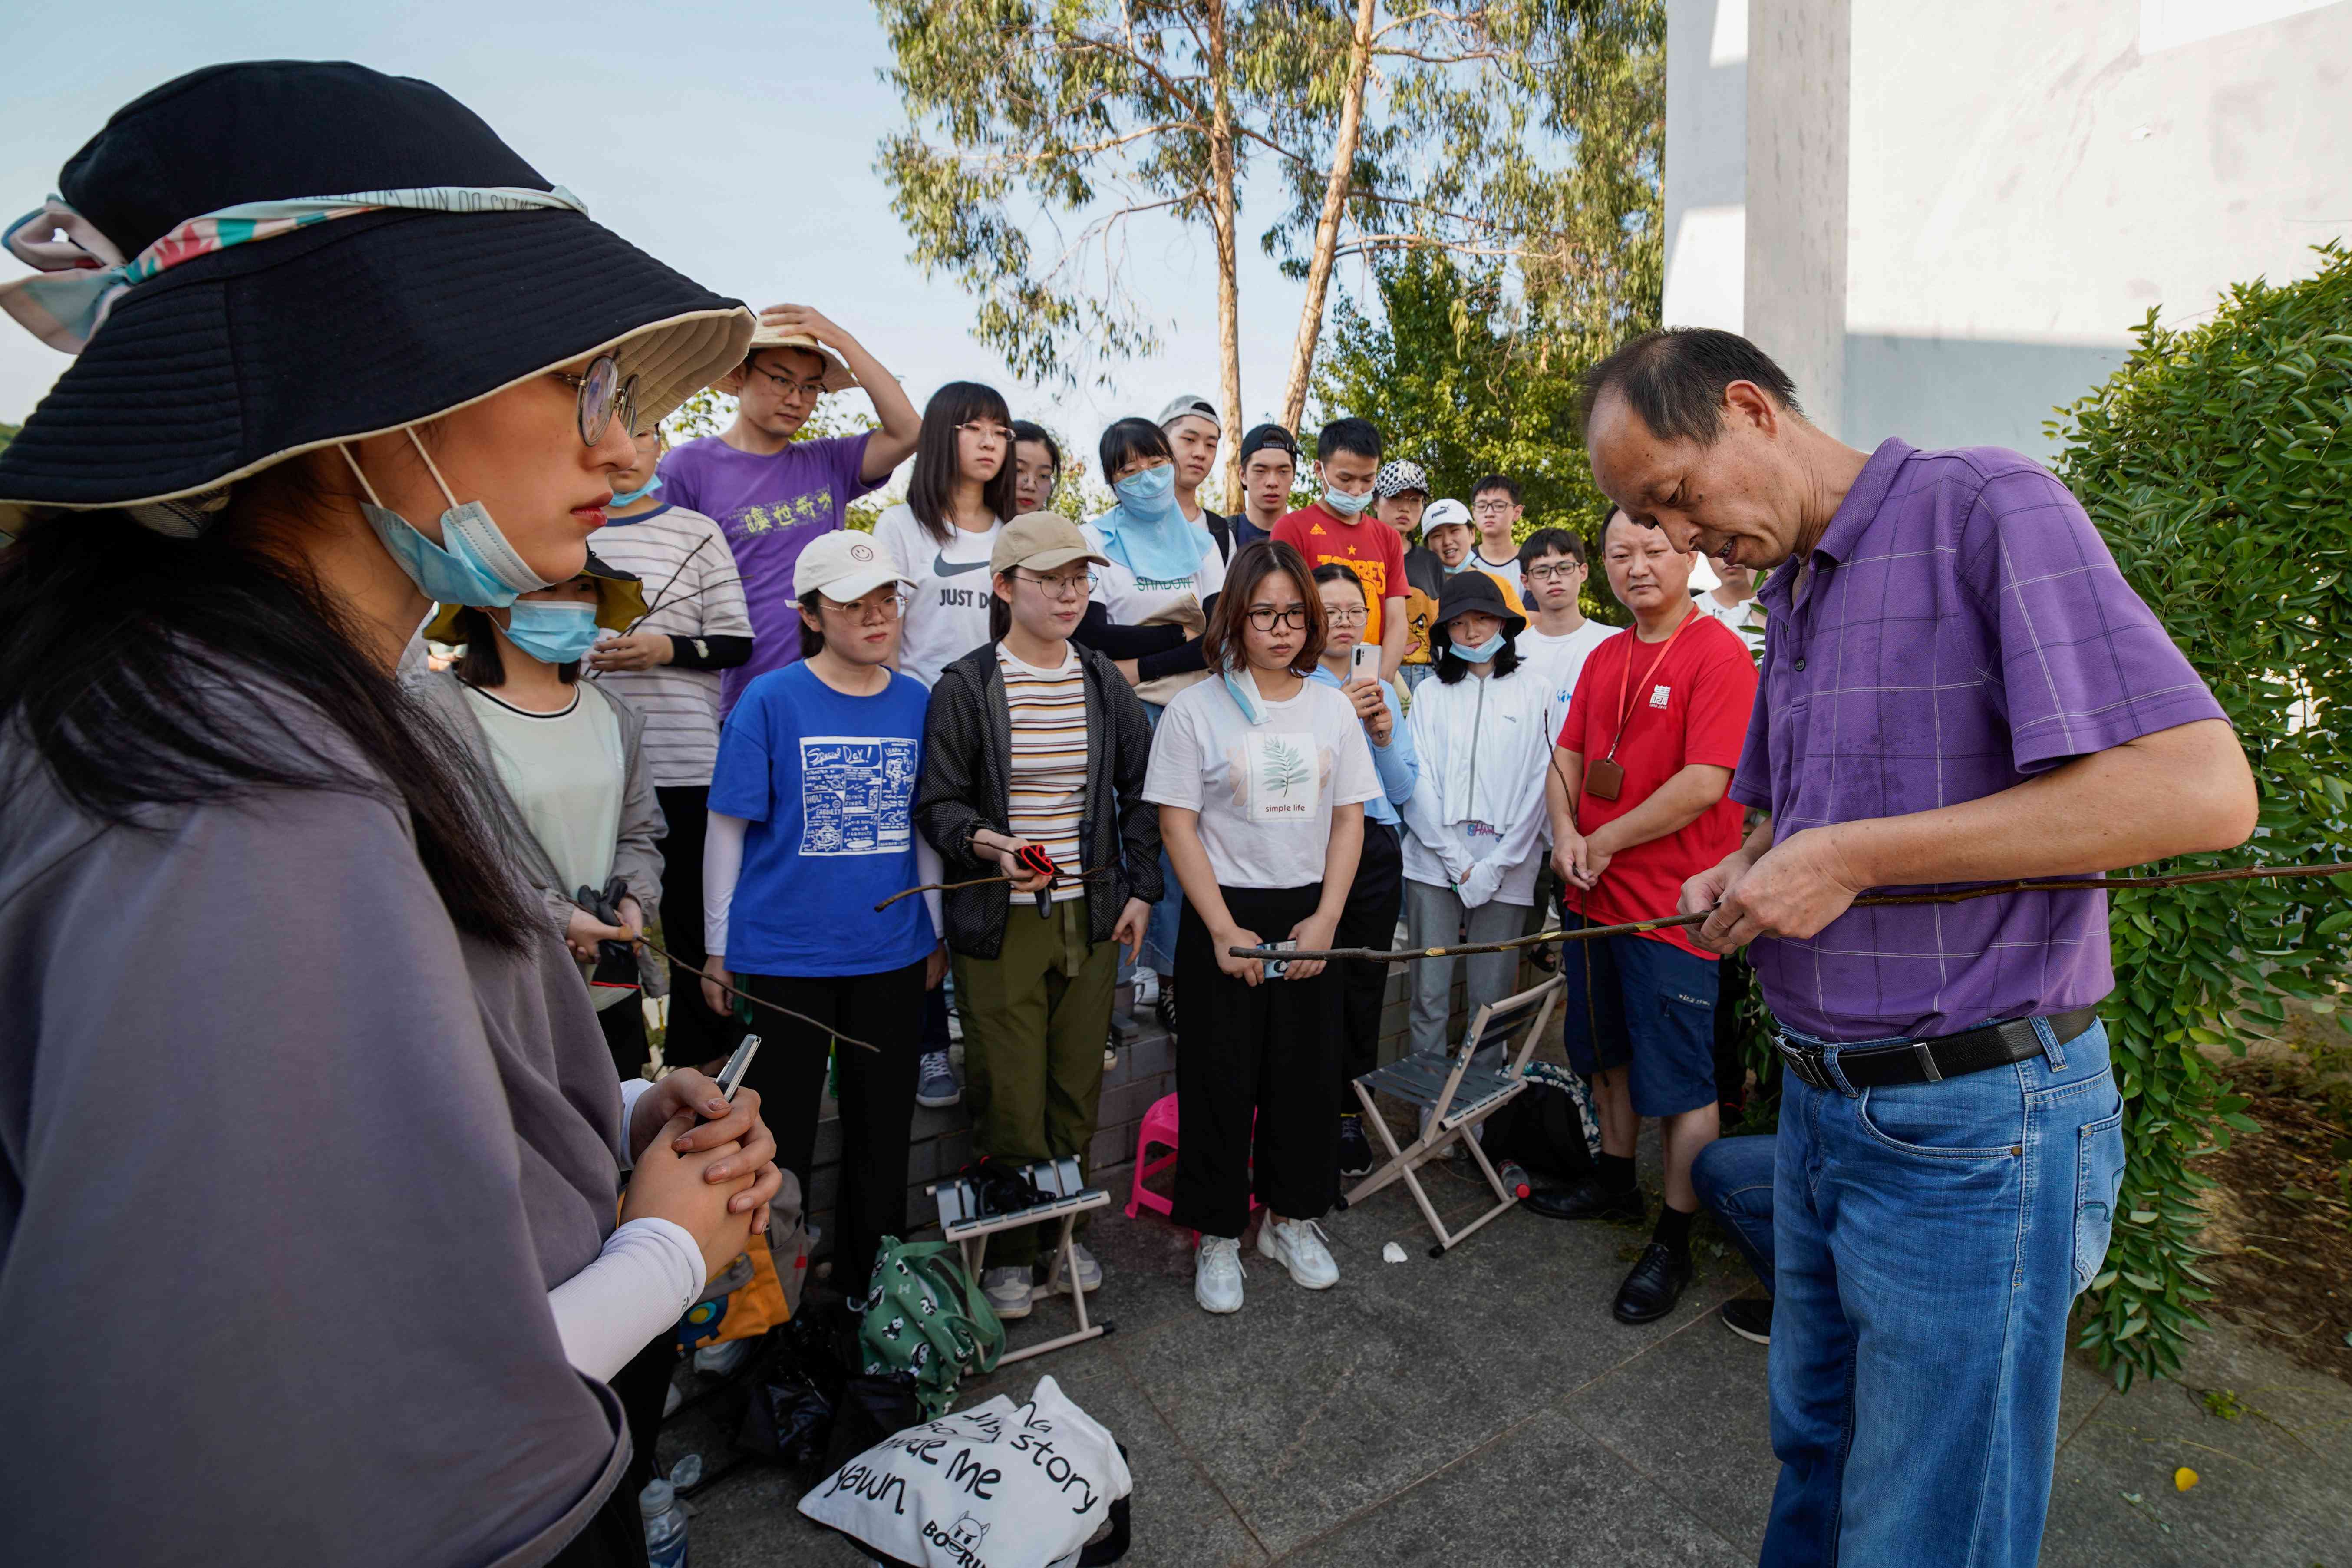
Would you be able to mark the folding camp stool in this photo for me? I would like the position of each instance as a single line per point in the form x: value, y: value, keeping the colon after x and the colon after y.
x: 1455, y: 1095
x: 1067, y: 1198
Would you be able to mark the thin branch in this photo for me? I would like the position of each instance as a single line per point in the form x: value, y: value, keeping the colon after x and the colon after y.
x: 1666, y: 923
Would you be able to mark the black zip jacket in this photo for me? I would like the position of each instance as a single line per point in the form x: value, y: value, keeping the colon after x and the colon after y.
x: 965, y: 786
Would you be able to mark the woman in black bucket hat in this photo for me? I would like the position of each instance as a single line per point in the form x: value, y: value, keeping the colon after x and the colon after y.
x: 307, y: 1138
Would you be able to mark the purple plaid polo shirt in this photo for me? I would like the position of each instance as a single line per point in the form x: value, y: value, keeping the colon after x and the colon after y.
x: 1964, y: 628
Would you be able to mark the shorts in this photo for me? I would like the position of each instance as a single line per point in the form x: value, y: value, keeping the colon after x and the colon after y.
x: 1653, y: 1004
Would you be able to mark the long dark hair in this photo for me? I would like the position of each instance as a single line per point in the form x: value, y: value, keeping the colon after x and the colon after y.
x: 144, y: 670
x: 1222, y: 644
x: 482, y: 664
x: 931, y: 487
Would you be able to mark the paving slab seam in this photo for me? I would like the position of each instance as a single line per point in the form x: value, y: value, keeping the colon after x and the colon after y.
x: 1176, y: 1438
x: 1538, y: 1412
x: 1670, y: 1494
x: 2088, y: 1417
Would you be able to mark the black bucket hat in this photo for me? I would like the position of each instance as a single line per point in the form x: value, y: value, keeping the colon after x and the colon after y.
x: 239, y: 358
x: 1472, y: 590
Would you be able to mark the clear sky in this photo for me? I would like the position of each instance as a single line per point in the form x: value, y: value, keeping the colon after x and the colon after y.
x: 734, y: 141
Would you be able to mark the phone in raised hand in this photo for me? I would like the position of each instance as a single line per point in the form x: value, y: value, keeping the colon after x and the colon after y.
x: 1364, y: 663
x: 731, y: 1075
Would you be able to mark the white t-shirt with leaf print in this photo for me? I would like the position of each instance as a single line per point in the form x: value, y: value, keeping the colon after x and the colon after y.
x: 1265, y: 792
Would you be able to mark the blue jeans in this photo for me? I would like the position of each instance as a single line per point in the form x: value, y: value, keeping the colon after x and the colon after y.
x: 1734, y: 1177
x: 1928, y: 1240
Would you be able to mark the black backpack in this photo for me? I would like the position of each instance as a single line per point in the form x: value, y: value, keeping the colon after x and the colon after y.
x: 1542, y: 1128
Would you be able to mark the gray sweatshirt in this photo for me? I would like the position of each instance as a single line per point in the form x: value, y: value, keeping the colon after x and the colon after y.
x: 286, y: 1171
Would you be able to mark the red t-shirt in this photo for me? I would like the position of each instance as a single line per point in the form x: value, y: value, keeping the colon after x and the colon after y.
x: 1369, y: 546
x: 1692, y: 710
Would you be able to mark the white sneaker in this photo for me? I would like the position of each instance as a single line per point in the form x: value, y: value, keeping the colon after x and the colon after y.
x: 1297, y: 1246
x: 1090, y: 1271
x: 1147, y: 987
x: 1008, y: 1292
x: 1217, y: 1274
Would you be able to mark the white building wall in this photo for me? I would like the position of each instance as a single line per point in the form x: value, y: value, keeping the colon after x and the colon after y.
x: 2021, y: 181
x: 1706, y: 162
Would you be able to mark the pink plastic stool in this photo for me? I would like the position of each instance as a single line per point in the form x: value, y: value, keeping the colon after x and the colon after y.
x: 1159, y: 1128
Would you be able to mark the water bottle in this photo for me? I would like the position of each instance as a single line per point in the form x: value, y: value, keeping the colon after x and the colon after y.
x: 664, y: 1525
x: 1514, y: 1179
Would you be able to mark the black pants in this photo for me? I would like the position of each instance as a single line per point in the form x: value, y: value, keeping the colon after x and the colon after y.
x: 1369, y: 920
x: 877, y: 1097
x: 1730, y: 1070
x: 623, y: 1026
x: 696, y: 1035
x: 1271, y: 1050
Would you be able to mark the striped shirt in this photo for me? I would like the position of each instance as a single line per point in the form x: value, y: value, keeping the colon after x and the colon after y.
x: 1048, y: 788
x: 692, y: 587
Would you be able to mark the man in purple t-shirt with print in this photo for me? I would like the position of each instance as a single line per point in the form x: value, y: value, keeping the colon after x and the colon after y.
x: 771, y: 494
x: 1957, y: 687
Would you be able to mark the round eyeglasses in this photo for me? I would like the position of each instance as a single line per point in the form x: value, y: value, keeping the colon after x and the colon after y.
x: 602, y: 394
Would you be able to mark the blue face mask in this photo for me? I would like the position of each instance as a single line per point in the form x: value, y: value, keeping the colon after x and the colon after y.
x: 1343, y: 503
x: 473, y: 565
x: 552, y: 631
x: 631, y: 497
x: 1150, y: 496
x: 1479, y: 653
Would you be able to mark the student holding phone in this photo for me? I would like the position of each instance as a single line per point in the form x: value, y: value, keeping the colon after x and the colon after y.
x: 1376, y: 894
x: 1261, y: 777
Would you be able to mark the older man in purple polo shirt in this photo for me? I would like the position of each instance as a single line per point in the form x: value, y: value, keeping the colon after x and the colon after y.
x: 1957, y: 687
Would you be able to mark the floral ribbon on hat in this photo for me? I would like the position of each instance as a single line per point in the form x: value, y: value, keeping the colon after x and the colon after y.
x: 81, y: 274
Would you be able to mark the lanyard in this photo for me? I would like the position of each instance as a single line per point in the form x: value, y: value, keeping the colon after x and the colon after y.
x: 1625, y: 690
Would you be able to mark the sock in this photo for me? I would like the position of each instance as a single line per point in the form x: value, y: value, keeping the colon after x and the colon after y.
x: 1674, y: 1229
x: 1614, y: 1171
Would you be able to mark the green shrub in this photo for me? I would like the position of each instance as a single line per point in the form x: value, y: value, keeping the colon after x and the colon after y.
x: 2218, y: 464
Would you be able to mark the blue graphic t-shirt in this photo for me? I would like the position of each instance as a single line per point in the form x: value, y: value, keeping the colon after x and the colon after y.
x: 826, y: 782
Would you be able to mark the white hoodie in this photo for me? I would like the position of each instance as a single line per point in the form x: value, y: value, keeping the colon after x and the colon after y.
x: 1478, y: 807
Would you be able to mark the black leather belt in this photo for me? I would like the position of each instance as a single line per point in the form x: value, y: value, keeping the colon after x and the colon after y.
x: 1932, y: 1060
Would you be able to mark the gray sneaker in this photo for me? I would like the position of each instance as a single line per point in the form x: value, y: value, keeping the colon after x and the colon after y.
x: 1090, y: 1271
x: 1009, y: 1290
x: 935, y: 1082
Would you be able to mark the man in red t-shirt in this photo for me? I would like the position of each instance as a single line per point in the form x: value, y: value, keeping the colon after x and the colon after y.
x: 1337, y: 527
x: 1638, y: 806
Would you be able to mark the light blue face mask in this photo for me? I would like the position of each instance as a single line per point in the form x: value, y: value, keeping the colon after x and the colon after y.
x: 473, y: 565
x: 631, y: 497
x: 1479, y: 653
x: 552, y: 631
x: 1343, y: 503
x: 1150, y: 495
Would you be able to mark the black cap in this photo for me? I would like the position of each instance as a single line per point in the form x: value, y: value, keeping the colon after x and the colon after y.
x: 1470, y: 590
x: 1263, y: 436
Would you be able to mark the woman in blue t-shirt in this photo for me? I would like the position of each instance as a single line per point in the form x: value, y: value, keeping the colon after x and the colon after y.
x: 810, y: 826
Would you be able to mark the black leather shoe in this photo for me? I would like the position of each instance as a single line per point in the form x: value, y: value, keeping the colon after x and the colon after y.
x: 1586, y: 1200
x: 1656, y: 1283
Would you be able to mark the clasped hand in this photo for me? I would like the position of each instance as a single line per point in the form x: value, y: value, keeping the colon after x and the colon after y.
x: 1792, y: 890
x: 702, y: 1163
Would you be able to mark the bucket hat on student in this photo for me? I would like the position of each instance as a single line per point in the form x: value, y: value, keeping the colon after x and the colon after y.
x: 838, y: 376
x: 258, y: 260
x: 620, y: 603
x: 1466, y: 592
x: 1040, y: 540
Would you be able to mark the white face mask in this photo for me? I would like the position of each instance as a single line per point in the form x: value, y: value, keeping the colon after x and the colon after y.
x: 473, y: 565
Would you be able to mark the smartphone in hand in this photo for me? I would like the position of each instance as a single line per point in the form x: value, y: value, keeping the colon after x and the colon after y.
x: 1276, y: 968
x: 1364, y: 663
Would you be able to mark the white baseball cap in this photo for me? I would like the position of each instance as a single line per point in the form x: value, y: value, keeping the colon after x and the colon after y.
x: 844, y: 566
x: 1444, y: 514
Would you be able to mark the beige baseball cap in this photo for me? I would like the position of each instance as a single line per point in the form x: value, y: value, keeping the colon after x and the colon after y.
x: 844, y: 566
x: 1040, y: 540
x: 837, y: 377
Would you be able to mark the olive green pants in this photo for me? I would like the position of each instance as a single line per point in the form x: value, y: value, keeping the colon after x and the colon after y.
x: 1036, y: 1018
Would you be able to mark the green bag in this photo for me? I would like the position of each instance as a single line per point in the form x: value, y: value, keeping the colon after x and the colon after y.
x: 925, y: 1316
